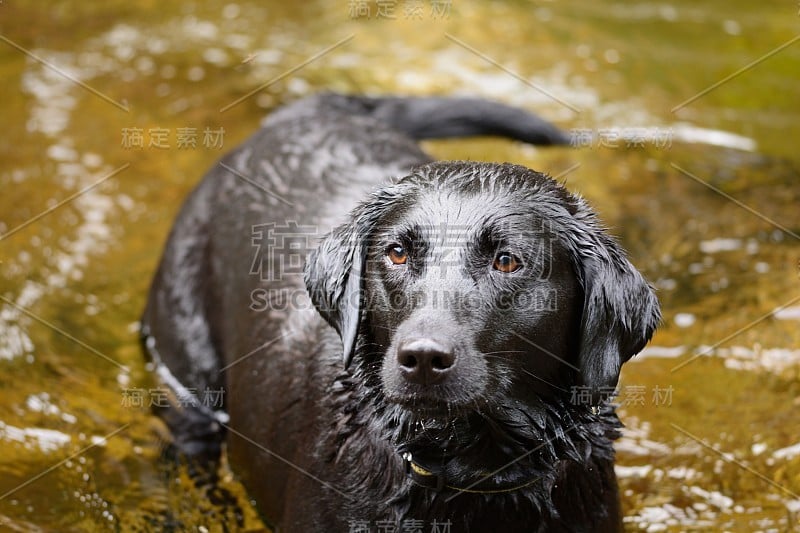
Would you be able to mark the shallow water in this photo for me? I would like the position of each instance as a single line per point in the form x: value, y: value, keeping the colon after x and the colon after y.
x: 704, y: 197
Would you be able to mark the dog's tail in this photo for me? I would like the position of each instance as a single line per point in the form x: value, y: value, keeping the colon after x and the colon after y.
x: 433, y: 117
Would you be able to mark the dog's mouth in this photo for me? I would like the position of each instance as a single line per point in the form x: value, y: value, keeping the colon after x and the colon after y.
x: 434, y: 406
x: 431, y: 423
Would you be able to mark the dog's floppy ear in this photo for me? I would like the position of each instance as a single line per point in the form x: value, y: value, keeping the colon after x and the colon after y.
x: 334, y: 271
x: 333, y: 280
x: 620, y: 312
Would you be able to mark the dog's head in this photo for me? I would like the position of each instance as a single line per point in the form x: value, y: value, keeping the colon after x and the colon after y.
x: 464, y: 280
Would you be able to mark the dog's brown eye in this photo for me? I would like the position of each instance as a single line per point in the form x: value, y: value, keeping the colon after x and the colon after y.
x: 506, y: 263
x: 397, y: 254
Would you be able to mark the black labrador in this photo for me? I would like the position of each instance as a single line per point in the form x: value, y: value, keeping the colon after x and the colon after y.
x: 438, y: 360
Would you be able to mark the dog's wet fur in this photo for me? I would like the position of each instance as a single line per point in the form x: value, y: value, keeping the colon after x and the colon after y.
x: 426, y: 364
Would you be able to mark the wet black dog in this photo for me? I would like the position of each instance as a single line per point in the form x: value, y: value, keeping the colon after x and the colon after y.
x: 475, y: 318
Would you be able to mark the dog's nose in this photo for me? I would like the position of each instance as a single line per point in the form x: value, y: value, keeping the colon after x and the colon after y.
x: 425, y: 361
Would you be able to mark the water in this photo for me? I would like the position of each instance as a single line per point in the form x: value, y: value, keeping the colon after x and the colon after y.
x: 702, y: 191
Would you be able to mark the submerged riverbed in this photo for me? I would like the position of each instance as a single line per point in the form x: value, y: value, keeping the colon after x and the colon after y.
x: 685, y: 122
